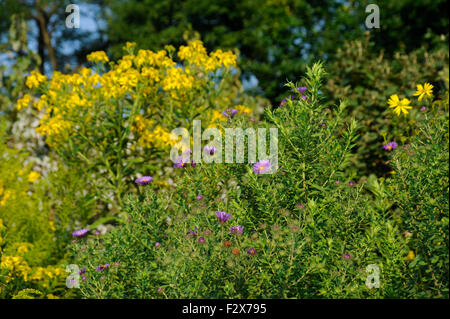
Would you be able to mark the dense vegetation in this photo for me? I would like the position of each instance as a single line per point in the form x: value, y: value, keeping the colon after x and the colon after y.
x: 362, y: 178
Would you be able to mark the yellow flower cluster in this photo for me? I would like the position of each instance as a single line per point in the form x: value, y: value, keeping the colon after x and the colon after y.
x: 158, y: 137
x: 5, y: 194
x: 145, y: 83
x: 195, y: 53
x: 24, y: 102
x: 17, y: 267
x: 403, y: 105
x: 35, y: 79
x: 98, y: 56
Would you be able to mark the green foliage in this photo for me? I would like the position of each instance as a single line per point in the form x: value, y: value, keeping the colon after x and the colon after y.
x: 419, y: 191
x: 276, y: 39
x: 12, y: 79
x: 365, y: 78
x: 313, y: 232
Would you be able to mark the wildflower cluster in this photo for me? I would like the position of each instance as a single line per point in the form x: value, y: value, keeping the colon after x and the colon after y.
x: 118, y: 114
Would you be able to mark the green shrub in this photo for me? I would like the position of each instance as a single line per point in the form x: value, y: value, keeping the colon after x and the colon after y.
x: 366, y: 78
x: 314, y: 230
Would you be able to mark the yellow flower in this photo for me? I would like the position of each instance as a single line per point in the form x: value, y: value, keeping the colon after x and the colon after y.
x: 6, y: 195
x: 399, y: 106
x: 410, y: 255
x: 426, y: 89
x: 97, y: 56
x: 23, y: 102
x: 243, y: 109
x: 33, y: 176
x: 35, y: 79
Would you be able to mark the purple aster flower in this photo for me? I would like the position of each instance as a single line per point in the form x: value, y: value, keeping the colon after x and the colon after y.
x: 347, y: 256
x: 83, y: 278
x: 80, y: 233
x: 82, y: 270
x: 223, y: 217
x: 337, y: 182
x: 390, y: 146
x: 144, y: 180
x: 301, y: 89
x: 238, y: 230
x: 351, y: 183
x: 261, y: 167
x: 157, y: 244
x: 423, y: 109
x: 193, y: 232
x: 209, y: 149
x: 201, y: 240
x: 160, y: 289
x: 199, y: 197
x: 251, y: 251
x: 284, y: 101
x: 181, y: 161
x: 102, y: 267
x: 229, y: 112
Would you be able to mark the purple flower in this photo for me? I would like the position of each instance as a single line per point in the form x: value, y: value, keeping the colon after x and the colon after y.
x: 199, y: 197
x: 209, y: 149
x: 390, y: 146
x: 238, y: 230
x: 102, y: 267
x: 300, y: 205
x: 201, y: 240
x: 347, y: 256
x: 423, y: 109
x: 144, y: 180
x: 157, y: 244
x: 251, y: 251
x: 261, y: 167
x: 193, y: 232
x: 181, y: 161
x: 80, y: 232
x: 82, y: 270
x: 229, y: 112
x: 351, y: 183
x: 160, y: 289
x: 83, y: 278
x: 284, y: 101
x: 301, y: 89
x: 337, y: 182
x: 223, y: 217
x: 193, y: 164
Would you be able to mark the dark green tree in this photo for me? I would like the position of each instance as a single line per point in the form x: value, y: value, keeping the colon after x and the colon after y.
x: 276, y: 39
